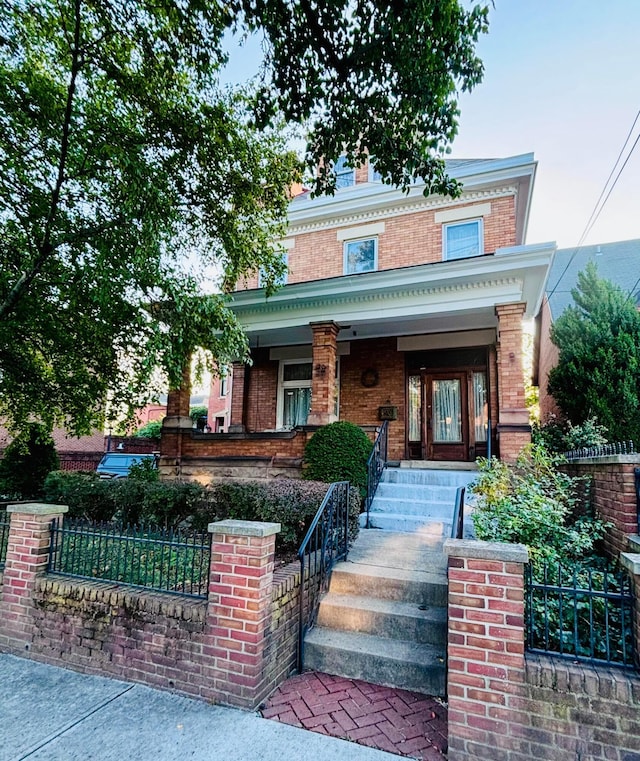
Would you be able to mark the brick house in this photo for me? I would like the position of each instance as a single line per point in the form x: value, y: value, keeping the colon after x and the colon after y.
x: 618, y: 262
x: 399, y: 306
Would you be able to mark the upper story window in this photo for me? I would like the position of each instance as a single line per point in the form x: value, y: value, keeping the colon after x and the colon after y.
x: 345, y: 175
x: 374, y: 174
x: 282, y: 280
x: 463, y: 239
x: 360, y: 256
x: 224, y: 385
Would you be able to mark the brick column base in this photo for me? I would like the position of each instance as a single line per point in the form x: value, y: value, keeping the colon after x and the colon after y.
x: 27, y: 558
x: 486, y: 664
x: 239, y: 609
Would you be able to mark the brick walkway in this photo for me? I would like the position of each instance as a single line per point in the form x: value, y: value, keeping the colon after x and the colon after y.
x: 401, y: 722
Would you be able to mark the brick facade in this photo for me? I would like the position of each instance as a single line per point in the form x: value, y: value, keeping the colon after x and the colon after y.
x: 505, y: 705
x: 408, y: 239
x: 323, y: 384
x: 232, y: 648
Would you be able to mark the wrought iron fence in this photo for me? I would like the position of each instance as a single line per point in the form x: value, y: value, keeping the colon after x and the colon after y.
x: 326, y: 542
x: 582, y: 614
x: 375, y: 464
x: 152, y: 558
x: 5, y: 519
x: 602, y: 450
x: 457, y: 527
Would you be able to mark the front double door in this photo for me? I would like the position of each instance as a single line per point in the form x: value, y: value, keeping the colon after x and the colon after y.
x: 445, y: 418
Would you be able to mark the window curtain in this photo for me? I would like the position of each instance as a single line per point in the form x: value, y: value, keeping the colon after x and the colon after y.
x: 414, y: 408
x: 480, y: 406
x: 447, y: 414
x: 297, y: 403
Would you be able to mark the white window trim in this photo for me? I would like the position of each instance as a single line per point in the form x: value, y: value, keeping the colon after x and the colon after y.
x: 345, y: 248
x: 285, y: 277
x: 283, y: 385
x: 445, y: 227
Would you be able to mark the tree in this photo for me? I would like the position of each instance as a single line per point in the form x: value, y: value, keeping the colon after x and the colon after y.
x: 150, y: 430
x: 122, y: 157
x: 26, y: 463
x: 598, y: 371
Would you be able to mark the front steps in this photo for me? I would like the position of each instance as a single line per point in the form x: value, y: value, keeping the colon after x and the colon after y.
x: 384, y: 617
x: 414, y: 499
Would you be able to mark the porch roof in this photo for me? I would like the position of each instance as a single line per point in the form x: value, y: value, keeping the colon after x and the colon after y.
x: 426, y: 298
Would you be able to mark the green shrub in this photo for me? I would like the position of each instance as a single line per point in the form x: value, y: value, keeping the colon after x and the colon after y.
x: 338, y: 452
x: 560, y: 436
x: 150, y: 430
x: 26, y: 463
x: 533, y: 503
x: 290, y: 502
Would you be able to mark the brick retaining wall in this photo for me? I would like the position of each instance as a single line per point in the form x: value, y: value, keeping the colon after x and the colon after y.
x: 233, y: 648
x: 505, y: 705
x: 613, y: 496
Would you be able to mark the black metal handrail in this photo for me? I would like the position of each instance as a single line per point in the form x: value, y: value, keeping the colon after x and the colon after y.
x: 326, y: 542
x: 5, y: 520
x: 457, y: 527
x: 582, y: 614
x: 375, y: 464
x: 150, y: 558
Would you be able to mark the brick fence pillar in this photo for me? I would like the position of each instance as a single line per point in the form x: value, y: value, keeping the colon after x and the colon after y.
x: 486, y: 664
x: 323, y: 383
x: 513, y: 427
x: 26, y: 560
x: 239, y: 609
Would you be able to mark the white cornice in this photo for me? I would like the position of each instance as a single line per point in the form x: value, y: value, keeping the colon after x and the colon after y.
x: 382, y: 208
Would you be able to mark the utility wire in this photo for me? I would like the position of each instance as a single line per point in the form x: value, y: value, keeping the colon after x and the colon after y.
x: 597, y: 209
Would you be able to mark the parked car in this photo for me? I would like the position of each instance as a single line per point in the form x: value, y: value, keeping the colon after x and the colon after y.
x: 118, y: 464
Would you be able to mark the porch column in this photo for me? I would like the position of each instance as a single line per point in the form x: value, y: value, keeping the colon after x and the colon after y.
x: 514, y: 430
x: 177, y: 420
x: 323, y: 383
x: 239, y: 384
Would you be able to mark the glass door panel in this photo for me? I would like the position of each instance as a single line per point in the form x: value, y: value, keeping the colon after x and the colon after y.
x: 447, y: 411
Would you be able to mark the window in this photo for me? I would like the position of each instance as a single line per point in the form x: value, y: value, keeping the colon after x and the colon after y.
x: 224, y: 385
x: 374, y: 174
x: 282, y: 280
x: 360, y: 256
x: 345, y: 175
x: 462, y: 239
x: 294, y: 393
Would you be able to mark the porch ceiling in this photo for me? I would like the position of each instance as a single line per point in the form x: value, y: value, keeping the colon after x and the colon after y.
x: 431, y: 298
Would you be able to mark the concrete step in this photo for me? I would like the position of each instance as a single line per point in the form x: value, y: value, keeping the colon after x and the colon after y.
x: 384, y: 618
x: 428, y: 477
x: 394, y: 663
x: 428, y: 587
x: 398, y: 551
x: 407, y: 523
x: 421, y: 492
x: 433, y: 510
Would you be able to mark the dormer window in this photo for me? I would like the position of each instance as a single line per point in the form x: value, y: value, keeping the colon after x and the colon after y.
x: 345, y: 175
x: 462, y: 240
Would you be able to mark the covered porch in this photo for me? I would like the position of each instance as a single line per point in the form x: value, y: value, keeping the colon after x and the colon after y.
x: 434, y: 349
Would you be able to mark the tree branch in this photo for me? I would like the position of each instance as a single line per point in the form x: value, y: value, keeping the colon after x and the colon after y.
x: 45, y: 249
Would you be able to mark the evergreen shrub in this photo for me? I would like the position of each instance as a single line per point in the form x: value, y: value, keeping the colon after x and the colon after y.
x: 26, y: 462
x: 338, y: 452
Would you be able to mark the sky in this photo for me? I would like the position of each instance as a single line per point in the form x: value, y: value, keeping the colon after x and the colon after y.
x: 562, y: 80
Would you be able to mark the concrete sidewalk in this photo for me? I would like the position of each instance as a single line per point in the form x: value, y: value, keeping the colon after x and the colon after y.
x: 51, y: 714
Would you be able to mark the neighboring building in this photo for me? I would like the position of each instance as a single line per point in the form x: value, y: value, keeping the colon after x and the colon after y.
x: 618, y: 262
x: 218, y: 406
x: 395, y: 306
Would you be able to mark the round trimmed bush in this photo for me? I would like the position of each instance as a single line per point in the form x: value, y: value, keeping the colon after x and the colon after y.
x: 338, y: 452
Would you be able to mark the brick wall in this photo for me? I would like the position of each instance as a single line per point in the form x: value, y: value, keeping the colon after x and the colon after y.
x: 613, y: 495
x: 505, y: 705
x: 233, y: 648
x: 408, y: 239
